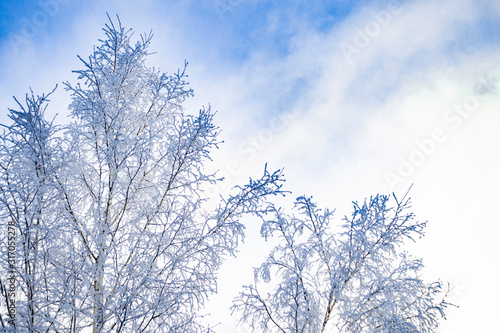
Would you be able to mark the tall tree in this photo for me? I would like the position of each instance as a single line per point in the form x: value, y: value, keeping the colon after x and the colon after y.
x: 134, y: 170
x: 32, y: 282
x: 356, y: 280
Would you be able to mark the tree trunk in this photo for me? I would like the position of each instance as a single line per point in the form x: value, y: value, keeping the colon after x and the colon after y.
x: 98, y: 313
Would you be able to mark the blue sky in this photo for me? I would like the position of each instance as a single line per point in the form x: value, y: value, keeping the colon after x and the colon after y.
x: 352, y: 98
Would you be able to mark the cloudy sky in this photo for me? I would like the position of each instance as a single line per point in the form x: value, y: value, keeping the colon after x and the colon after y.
x: 352, y: 98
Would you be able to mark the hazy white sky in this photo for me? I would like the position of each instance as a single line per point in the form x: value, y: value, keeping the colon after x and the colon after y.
x: 352, y: 98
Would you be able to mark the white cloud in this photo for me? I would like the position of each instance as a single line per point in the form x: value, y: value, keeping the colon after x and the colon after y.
x: 347, y: 136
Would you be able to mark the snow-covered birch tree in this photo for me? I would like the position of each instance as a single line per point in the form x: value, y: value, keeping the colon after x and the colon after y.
x: 132, y: 189
x: 355, y: 280
x: 32, y: 283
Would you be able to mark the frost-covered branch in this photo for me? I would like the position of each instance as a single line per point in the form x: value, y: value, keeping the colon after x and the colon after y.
x: 32, y: 226
x: 132, y: 190
x: 357, y: 280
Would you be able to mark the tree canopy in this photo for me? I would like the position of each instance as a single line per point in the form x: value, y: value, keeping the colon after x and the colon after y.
x: 104, y: 223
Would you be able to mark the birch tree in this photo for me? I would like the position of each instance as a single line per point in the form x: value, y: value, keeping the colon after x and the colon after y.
x: 32, y: 283
x: 132, y: 190
x: 355, y: 280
